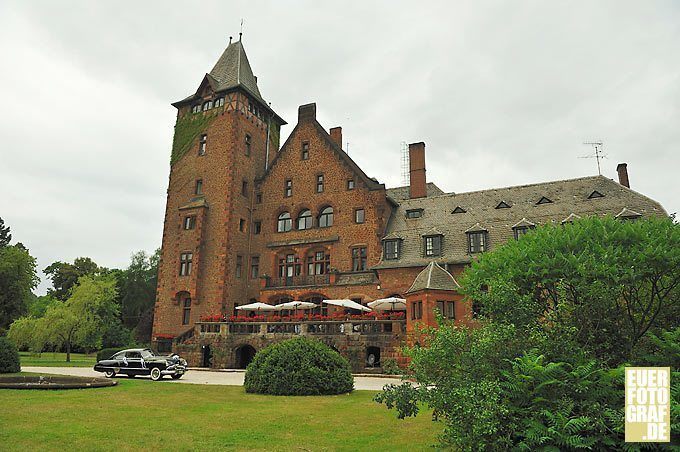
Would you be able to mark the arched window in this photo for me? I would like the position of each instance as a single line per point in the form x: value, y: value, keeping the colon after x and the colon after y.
x: 304, y: 220
x: 318, y: 263
x: 285, y: 223
x: 326, y: 217
x: 207, y: 105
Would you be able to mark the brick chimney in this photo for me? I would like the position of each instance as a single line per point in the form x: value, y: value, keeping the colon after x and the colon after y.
x: 622, y: 169
x: 336, y: 135
x: 307, y: 112
x: 416, y: 156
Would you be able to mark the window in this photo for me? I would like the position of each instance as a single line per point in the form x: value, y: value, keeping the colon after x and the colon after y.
x: 185, y: 260
x: 257, y: 227
x: 207, y: 105
x: 202, y: 143
x: 186, y: 311
x: 503, y: 205
x: 477, y: 242
x: 239, y: 266
x: 304, y: 220
x: 459, y: 209
x: 359, y: 259
x: 305, y: 151
x: 248, y: 144
x: 326, y: 217
x: 359, y: 216
x: 318, y: 263
x: 219, y: 102
x: 244, y: 188
x: 595, y: 194
x: 258, y: 198
x: 391, y: 249
x: 189, y: 222
x: 447, y: 309
x: 288, y: 188
x: 254, y: 267
x: 319, y: 183
x: 417, y: 310
x: 196, y: 108
x: 350, y: 184
x: 544, y: 200
x: 520, y: 231
x: 414, y: 213
x: 199, y: 187
x: 242, y: 225
x: 433, y: 245
x: 289, y: 266
x: 285, y: 222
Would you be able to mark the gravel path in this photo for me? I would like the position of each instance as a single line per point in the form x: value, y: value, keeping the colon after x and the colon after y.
x: 202, y: 377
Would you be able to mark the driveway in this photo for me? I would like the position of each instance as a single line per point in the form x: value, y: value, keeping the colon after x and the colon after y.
x: 203, y: 377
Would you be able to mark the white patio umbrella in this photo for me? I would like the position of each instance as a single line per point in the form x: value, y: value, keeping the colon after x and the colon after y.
x: 348, y: 304
x: 390, y: 303
x: 295, y: 305
x: 256, y: 307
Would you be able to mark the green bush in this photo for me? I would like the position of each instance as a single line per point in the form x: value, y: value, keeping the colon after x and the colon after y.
x: 106, y: 353
x: 9, y: 357
x: 299, y: 366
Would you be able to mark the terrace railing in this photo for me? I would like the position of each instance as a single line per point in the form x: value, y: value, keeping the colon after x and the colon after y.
x: 304, y: 327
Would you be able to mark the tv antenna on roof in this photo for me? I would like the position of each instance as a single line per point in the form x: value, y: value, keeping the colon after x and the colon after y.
x: 597, y: 145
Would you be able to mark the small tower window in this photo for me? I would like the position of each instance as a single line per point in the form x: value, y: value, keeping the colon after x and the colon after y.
x: 189, y: 222
x: 186, y: 311
x: 202, y: 144
x: 257, y: 227
x: 288, y: 188
x: 242, y: 225
x: 359, y: 216
x: 319, y: 183
x: 185, y: 263
x: 305, y: 150
x: 258, y: 198
x: 350, y: 184
x: 248, y: 141
x: 244, y: 188
x: 199, y: 187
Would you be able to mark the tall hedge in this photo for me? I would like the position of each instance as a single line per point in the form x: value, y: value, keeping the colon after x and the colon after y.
x: 299, y: 366
x: 9, y: 357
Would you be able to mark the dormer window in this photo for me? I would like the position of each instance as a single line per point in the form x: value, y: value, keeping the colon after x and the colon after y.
x: 543, y: 200
x: 432, y: 245
x: 503, y: 205
x: 595, y: 194
x: 207, y: 105
x: 414, y: 213
x: 459, y: 209
x: 219, y: 102
x: 196, y: 108
x: 391, y: 249
x: 522, y: 227
x: 477, y: 242
x: 628, y: 215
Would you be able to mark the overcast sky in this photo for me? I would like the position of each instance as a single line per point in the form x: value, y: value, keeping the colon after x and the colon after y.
x: 502, y: 93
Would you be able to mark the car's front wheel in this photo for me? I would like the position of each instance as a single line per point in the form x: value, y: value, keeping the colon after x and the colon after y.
x: 109, y: 373
x: 156, y: 374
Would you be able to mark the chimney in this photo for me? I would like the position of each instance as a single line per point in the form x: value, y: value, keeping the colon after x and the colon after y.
x: 622, y: 169
x: 416, y: 157
x: 306, y: 112
x: 336, y: 135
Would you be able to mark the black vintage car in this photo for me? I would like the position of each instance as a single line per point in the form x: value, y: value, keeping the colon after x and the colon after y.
x: 142, y: 361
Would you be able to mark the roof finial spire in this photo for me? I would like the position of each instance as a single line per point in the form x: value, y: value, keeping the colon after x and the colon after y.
x: 230, y: 40
x: 240, y: 33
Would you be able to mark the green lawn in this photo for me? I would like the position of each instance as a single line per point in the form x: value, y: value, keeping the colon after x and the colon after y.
x: 57, y: 359
x: 141, y: 414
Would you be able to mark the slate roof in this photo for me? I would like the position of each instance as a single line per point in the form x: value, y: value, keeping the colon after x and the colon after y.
x: 433, y: 277
x: 570, y: 200
x: 401, y: 193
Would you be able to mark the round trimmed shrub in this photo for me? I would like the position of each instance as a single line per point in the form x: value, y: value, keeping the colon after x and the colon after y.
x: 299, y: 366
x: 9, y: 357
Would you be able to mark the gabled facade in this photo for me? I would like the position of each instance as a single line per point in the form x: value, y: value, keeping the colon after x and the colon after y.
x: 248, y: 221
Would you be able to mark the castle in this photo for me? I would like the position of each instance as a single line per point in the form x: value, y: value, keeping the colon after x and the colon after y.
x: 248, y: 220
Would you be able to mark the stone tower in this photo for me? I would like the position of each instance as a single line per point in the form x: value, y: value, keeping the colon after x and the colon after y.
x: 225, y: 135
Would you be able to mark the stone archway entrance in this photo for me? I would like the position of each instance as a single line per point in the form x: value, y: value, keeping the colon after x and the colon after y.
x: 244, y: 355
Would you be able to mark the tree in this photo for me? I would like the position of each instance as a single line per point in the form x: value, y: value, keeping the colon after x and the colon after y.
x: 5, y: 236
x: 83, y: 318
x: 600, y: 282
x: 23, y: 333
x: 17, y: 278
x: 64, y: 276
x: 37, y: 305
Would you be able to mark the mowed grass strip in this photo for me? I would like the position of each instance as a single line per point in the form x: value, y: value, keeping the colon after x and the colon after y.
x: 141, y: 414
x: 49, y: 359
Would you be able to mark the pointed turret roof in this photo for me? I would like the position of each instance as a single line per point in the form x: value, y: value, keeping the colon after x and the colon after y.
x: 233, y: 69
x: 434, y: 277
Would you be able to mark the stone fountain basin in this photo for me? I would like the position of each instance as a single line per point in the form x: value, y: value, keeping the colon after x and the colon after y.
x: 53, y: 382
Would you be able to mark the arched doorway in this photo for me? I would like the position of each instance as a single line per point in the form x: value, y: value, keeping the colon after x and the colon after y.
x: 206, y: 360
x: 244, y: 355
